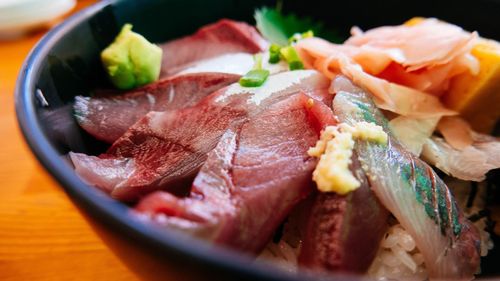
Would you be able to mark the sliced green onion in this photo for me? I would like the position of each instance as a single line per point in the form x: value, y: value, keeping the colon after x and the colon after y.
x: 257, y: 76
x: 296, y: 65
x: 274, y: 53
x: 307, y: 34
x: 294, y: 38
x: 297, y: 36
x: 257, y: 58
x: 254, y: 78
x: 292, y: 58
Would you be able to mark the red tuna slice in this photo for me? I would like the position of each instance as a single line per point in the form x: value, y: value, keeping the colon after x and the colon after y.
x: 107, y: 116
x: 250, y: 182
x: 343, y: 233
x: 222, y: 37
x: 168, y: 148
x: 101, y: 171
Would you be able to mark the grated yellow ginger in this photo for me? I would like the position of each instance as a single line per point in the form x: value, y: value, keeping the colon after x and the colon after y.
x: 334, y: 149
x: 366, y: 131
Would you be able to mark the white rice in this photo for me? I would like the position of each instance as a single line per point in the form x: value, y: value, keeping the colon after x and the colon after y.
x: 282, y: 254
x: 398, y: 258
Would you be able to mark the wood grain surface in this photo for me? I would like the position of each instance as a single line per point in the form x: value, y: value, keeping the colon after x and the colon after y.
x: 42, y: 235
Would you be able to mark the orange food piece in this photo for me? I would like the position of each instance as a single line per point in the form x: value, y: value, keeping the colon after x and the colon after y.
x: 414, y: 21
x: 477, y: 98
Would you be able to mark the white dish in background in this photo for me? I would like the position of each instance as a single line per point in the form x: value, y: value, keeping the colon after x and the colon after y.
x: 20, y: 16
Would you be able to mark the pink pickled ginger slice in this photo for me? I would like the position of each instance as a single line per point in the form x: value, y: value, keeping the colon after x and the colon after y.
x: 427, y: 44
x: 423, y: 57
x: 332, y: 59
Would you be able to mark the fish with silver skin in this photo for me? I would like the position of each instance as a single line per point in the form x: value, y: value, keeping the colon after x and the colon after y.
x: 412, y: 192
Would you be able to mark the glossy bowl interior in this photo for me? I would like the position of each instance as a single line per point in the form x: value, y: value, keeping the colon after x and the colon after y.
x: 65, y: 63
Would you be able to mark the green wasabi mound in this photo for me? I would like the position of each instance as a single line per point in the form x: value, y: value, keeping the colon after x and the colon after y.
x: 131, y: 60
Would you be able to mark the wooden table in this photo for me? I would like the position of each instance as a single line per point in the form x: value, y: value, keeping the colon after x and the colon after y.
x: 42, y: 235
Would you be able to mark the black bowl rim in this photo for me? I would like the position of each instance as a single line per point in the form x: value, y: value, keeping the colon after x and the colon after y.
x: 92, y: 201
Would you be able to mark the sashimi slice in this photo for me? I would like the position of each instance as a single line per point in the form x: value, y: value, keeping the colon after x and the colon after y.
x: 456, y: 131
x: 108, y: 116
x: 413, y: 133
x: 469, y: 163
x: 102, y: 172
x: 343, y: 233
x: 168, y: 148
x: 414, y: 194
x: 233, y: 63
x: 257, y: 173
x: 222, y: 37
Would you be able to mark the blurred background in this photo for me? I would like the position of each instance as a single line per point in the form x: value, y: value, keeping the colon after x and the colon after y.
x: 42, y: 235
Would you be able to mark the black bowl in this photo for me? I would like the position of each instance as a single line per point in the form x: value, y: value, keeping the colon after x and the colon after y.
x: 66, y: 63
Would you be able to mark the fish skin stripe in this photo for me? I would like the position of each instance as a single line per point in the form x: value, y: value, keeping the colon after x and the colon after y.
x: 437, y: 201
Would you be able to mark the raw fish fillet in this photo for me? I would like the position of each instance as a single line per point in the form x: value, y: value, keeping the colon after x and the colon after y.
x: 413, y: 193
x: 168, y: 148
x: 250, y: 182
x: 222, y: 37
x: 343, y: 232
x: 108, y: 115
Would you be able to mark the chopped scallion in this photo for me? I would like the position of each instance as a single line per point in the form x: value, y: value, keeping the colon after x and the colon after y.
x: 297, y: 36
x: 257, y: 76
x: 294, y: 38
x: 274, y: 53
x: 257, y: 58
x: 295, y: 65
x: 292, y: 58
x: 308, y: 34
x: 254, y: 78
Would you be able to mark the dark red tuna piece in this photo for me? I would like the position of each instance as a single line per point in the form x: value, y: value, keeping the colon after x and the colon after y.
x: 222, y: 37
x: 257, y: 173
x: 343, y: 233
x: 108, y: 115
x: 166, y: 149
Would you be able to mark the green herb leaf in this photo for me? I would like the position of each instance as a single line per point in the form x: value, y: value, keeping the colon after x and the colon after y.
x: 278, y: 28
x: 272, y: 25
